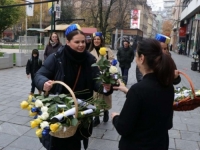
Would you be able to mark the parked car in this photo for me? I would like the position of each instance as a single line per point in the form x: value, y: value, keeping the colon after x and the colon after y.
x: 7, y: 39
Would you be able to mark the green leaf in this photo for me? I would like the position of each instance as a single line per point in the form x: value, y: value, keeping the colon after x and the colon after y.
x: 62, y: 96
x: 74, y: 122
x: 95, y: 65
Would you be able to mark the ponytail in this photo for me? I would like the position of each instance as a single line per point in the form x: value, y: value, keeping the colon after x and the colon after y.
x: 164, y: 68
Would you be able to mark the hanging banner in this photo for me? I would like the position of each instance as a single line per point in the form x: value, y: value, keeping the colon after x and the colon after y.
x: 135, y: 19
x: 57, y: 8
x: 50, y: 8
x: 182, y: 31
x: 29, y: 8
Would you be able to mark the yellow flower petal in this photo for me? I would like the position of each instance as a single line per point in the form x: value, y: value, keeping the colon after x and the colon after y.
x: 54, y: 127
x: 33, y: 124
x: 32, y: 113
x: 29, y: 107
x: 102, y: 51
x: 39, y: 132
x: 30, y: 97
x: 24, y: 104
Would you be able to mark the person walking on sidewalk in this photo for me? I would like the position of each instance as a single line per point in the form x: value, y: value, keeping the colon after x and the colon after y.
x: 96, y: 44
x: 125, y: 56
x: 53, y: 45
x: 146, y: 116
x: 32, y: 66
x: 198, y: 53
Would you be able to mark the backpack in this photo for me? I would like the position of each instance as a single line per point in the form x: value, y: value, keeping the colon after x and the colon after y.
x: 39, y: 61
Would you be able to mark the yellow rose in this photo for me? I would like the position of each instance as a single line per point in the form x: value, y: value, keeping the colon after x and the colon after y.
x: 54, y: 127
x: 30, y: 97
x: 24, y: 104
x: 32, y: 113
x: 39, y: 132
x: 38, y: 121
x: 102, y: 51
x: 33, y: 124
x: 29, y: 107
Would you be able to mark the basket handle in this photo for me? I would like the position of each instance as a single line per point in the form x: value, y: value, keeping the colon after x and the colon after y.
x: 71, y: 92
x: 190, y: 82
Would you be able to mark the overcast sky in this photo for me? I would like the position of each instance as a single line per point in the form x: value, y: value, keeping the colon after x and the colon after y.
x: 155, y: 4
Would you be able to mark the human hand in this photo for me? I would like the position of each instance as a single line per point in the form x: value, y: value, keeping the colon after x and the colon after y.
x: 176, y: 74
x: 28, y: 76
x: 47, y: 85
x: 121, y: 87
x: 113, y: 114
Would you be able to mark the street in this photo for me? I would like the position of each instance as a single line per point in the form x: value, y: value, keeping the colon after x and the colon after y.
x: 16, y: 134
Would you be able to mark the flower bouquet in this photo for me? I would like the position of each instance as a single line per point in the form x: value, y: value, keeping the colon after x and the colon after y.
x: 60, y: 115
x: 186, y: 99
x: 109, y: 72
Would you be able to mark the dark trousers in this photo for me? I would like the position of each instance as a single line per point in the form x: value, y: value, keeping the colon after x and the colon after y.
x: 70, y: 143
x: 124, y: 74
x: 32, y: 84
x: 199, y: 63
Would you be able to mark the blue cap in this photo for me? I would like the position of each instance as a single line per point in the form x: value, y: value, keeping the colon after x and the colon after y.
x: 71, y: 28
x: 97, y: 34
x: 162, y: 38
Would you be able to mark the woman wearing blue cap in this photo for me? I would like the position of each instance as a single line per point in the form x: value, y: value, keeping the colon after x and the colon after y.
x: 72, y: 65
x: 96, y: 44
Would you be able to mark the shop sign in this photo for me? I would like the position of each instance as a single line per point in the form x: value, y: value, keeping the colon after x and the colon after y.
x: 197, y: 17
x: 182, y: 31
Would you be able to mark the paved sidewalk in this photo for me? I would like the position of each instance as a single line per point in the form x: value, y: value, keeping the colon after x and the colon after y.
x: 16, y: 134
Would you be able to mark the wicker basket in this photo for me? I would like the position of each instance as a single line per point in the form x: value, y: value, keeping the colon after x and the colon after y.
x: 66, y: 132
x: 187, y: 103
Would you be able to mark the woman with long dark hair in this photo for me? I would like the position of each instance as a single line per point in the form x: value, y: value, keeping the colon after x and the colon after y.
x: 146, y: 115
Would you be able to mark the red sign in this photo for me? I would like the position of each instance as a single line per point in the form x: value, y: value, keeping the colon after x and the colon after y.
x: 182, y: 31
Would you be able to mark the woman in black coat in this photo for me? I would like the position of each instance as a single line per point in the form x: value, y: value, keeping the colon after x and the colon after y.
x: 147, y: 113
x: 72, y: 62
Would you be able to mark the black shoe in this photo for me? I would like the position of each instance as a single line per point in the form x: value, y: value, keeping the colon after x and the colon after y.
x: 96, y: 121
x: 106, y: 116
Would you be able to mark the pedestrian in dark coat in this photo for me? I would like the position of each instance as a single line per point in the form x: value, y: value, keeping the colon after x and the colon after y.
x: 68, y: 63
x: 125, y: 56
x: 198, y: 53
x: 53, y: 45
x: 146, y: 115
x: 32, y: 66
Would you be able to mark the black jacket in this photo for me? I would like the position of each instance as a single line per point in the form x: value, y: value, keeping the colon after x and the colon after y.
x: 146, y: 115
x: 125, y: 57
x: 51, y: 49
x: 33, y: 65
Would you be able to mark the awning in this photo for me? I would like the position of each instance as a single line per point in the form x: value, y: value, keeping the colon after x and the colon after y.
x: 36, y: 29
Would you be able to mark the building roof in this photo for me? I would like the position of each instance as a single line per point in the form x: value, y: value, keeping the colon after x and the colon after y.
x: 63, y: 27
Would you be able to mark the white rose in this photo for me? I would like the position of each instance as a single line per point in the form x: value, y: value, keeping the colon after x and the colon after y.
x: 38, y: 103
x: 44, y: 124
x: 44, y: 109
x: 113, y: 69
x: 44, y: 116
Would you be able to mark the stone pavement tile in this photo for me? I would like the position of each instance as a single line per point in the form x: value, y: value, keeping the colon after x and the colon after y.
x: 6, y: 101
x: 31, y: 133
x: 98, y: 133
x: 11, y: 110
x: 23, y: 113
x: 107, y: 126
x: 111, y: 135
x: 14, y: 104
x: 194, y: 128
x: 174, y: 134
x: 13, y: 129
x: 99, y: 144
x: 171, y: 143
x: 195, y: 115
x: 13, y: 148
x: 43, y: 148
x: 190, y: 136
x: 190, y: 121
x: 182, y: 114
x: 6, y: 139
x: 179, y: 126
x: 2, y: 107
x: 177, y: 119
x: 20, y: 120
x: 186, y: 145
x: 28, y: 143
x: 6, y: 117
x: 194, y: 111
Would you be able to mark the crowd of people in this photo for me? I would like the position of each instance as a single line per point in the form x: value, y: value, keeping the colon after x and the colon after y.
x: 147, y: 114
